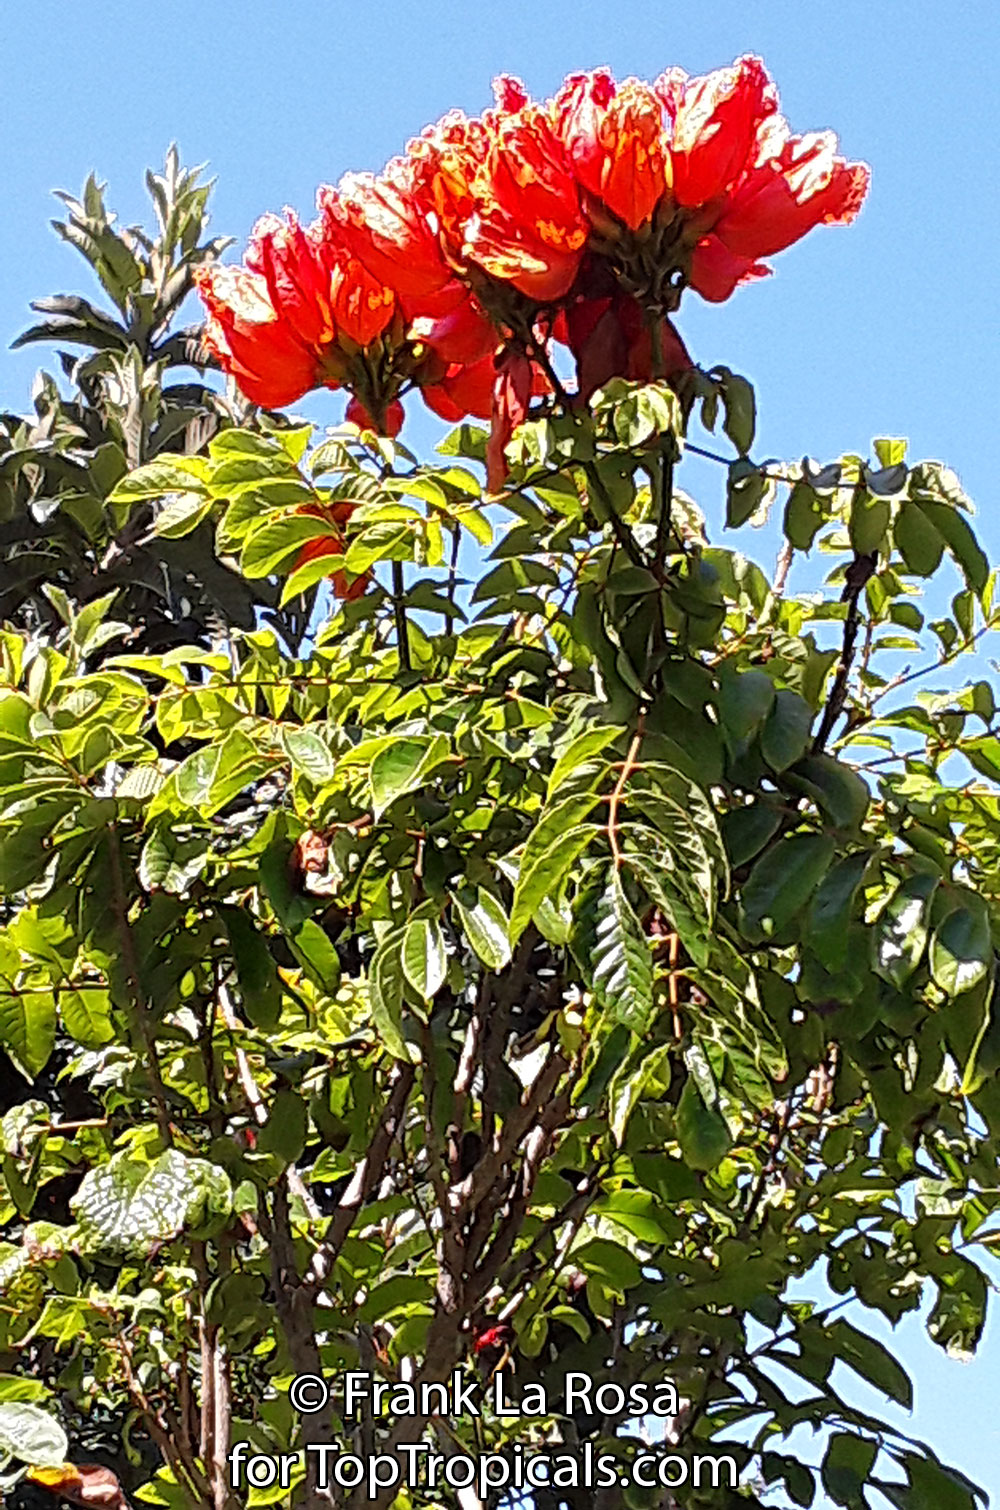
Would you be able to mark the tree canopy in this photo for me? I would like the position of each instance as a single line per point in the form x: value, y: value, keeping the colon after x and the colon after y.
x: 533, y: 960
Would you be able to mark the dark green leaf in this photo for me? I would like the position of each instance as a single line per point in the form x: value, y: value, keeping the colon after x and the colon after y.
x: 701, y: 1130
x: 782, y: 882
x: 901, y: 930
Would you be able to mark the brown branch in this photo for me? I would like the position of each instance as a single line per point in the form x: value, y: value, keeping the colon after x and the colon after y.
x: 166, y: 1433
x: 399, y: 613
x: 782, y: 567
x: 628, y: 766
x: 293, y: 1302
x: 365, y: 1178
x: 255, y: 1099
x: 858, y: 573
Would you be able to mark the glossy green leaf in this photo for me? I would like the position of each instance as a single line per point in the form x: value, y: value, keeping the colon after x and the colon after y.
x: 31, y: 1435
x: 847, y: 1464
x: 869, y: 521
x: 833, y: 907
x: 27, y: 1026
x: 785, y: 736
x: 701, y: 1130
x: 619, y: 964
x: 918, y: 540
x: 424, y: 956
x: 308, y: 753
x: 782, y: 883
x: 840, y: 793
x: 486, y: 928
x: 961, y: 950
x: 402, y: 766
x: 901, y: 931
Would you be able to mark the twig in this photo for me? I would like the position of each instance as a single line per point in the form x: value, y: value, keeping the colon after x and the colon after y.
x: 628, y: 766
x: 399, y: 611
x: 858, y: 573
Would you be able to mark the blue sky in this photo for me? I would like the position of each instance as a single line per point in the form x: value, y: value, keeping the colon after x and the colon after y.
x: 889, y: 327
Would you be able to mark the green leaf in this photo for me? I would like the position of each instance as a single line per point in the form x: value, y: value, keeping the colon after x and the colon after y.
x: 127, y: 1207
x: 256, y: 973
x: 402, y: 766
x: 747, y: 829
x: 918, y: 541
x: 901, y: 930
x: 701, y: 1130
x: 833, y: 907
x: 745, y: 491
x: 745, y: 700
x: 796, y: 1477
x: 552, y: 847
x: 316, y: 954
x: 740, y: 420
x: 158, y: 479
x: 804, y: 515
x: 541, y: 875
x: 934, y: 1485
x: 868, y: 522
x: 31, y: 1435
x: 385, y: 988
x: 785, y: 736
x: 578, y: 752
x: 873, y: 1361
x: 890, y: 450
x: 86, y: 1016
x: 607, y: 1261
x: 961, y: 542
x: 641, y: 1214
x: 425, y: 957
x: 838, y: 791
x: 630, y: 1082
x: 273, y: 546
x: 782, y: 882
x: 618, y: 958
x: 182, y: 515
x: 27, y: 1026
x: 486, y: 928
x: 291, y: 908
x: 307, y: 575
x: 169, y: 862
x: 961, y: 948
x: 286, y: 1129
x: 308, y: 754
x: 848, y: 1462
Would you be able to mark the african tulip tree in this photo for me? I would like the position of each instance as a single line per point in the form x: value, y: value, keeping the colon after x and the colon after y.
x: 476, y: 989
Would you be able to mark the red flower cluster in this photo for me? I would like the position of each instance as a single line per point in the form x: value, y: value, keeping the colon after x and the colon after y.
x: 578, y: 220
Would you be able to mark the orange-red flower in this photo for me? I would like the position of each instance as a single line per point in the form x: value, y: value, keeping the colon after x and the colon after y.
x: 528, y: 228
x: 747, y: 186
x: 611, y: 337
x: 389, y: 422
x: 798, y: 182
x: 279, y: 324
x: 335, y: 515
x: 243, y: 332
x: 384, y: 222
x: 716, y: 272
x: 447, y: 156
x: 581, y: 219
x: 613, y: 135
x: 464, y: 334
x: 714, y: 124
x: 511, y: 395
x: 461, y: 390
